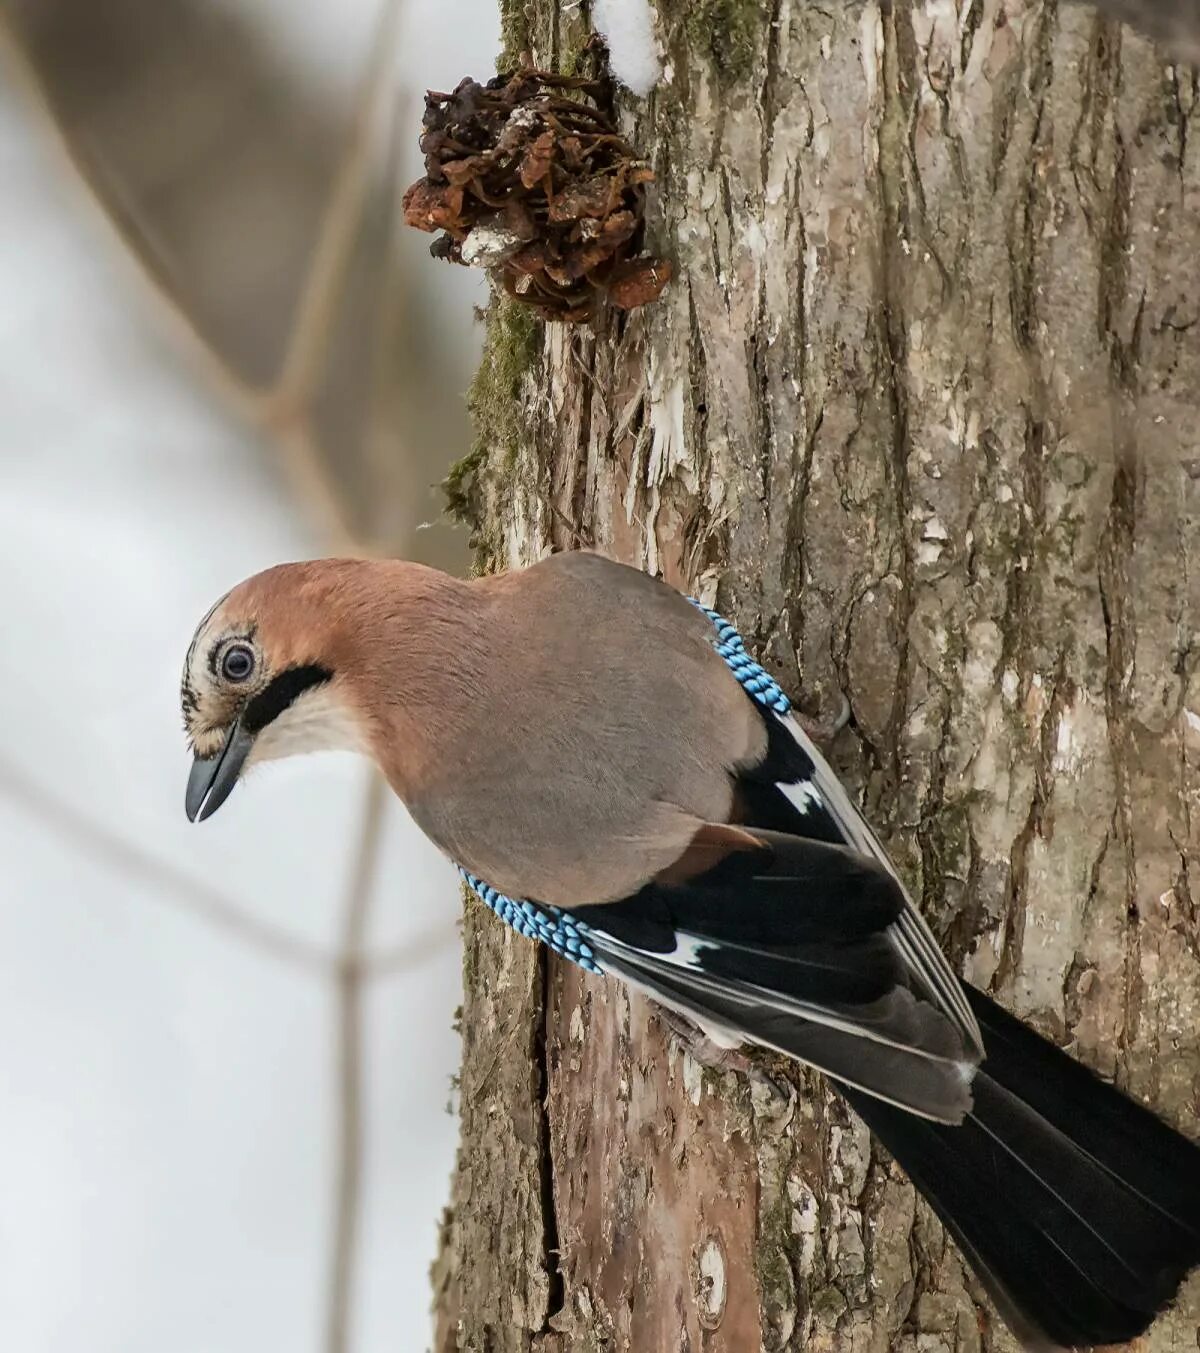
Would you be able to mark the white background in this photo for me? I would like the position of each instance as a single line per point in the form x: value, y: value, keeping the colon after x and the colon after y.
x: 167, y: 1089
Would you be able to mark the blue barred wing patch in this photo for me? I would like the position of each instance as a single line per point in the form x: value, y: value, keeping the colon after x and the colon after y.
x: 557, y: 929
x: 755, y: 680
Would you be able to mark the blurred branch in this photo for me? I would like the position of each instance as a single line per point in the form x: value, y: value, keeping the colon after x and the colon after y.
x: 412, y: 954
x: 176, y: 889
x: 281, y: 410
x: 309, y: 338
x: 104, y: 199
x: 300, y: 462
x: 285, y: 410
x: 348, y: 1190
x: 166, y: 884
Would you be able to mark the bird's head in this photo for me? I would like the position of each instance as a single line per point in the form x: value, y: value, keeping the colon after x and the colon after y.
x: 262, y: 679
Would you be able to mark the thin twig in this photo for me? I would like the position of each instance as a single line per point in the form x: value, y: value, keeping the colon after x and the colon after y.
x: 279, y: 411
x: 412, y: 954
x: 323, y: 284
x: 168, y: 885
x: 283, y: 411
x: 174, y: 888
x: 347, y: 1186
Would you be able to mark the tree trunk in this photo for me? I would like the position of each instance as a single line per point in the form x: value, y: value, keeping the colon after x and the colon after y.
x: 920, y: 412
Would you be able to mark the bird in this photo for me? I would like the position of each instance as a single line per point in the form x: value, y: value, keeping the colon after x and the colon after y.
x: 615, y: 775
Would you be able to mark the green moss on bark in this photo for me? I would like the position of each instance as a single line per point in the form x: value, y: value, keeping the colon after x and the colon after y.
x: 514, y: 32
x: 730, y: 31
x: 512, y: 345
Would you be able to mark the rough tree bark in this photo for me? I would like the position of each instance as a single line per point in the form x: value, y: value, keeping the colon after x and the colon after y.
x: 921, y: 411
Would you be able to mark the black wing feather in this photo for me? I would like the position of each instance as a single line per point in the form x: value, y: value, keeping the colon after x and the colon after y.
x: 1078, y: 1208
x: 790, y: 947
x: 808, y: 945
x: 844, y: 897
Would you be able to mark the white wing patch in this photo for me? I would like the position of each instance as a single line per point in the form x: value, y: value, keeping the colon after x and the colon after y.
x: 803, y: 796
x: 688, y: 953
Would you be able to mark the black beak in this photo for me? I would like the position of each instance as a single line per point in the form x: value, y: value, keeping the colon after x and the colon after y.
x: 212, y: 778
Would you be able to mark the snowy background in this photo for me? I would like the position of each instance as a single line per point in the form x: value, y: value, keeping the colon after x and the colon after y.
x: 171, y: 1117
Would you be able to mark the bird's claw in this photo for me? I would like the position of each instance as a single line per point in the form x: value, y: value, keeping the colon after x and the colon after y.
x: 713, y: 1056
x: 823, y: 731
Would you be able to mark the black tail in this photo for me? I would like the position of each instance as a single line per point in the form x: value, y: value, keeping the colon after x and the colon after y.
x: 1078, y: 1209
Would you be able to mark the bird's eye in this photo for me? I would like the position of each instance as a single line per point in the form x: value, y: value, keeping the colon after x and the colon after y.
x: 238, y: 663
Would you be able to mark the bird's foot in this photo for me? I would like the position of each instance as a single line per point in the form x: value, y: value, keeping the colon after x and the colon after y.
x: 743, y: 1060
x: 823, y: 731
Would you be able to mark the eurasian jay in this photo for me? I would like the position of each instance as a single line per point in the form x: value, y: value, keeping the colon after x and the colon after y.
x: 615, y: 775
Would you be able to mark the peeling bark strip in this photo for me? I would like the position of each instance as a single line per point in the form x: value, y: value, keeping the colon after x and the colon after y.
x: 922, y: 407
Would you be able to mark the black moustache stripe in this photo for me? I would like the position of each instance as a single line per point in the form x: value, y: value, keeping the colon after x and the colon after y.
x: 280, y: 692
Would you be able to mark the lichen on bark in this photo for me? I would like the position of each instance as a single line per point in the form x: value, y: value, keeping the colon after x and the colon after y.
x: 920, y: 410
